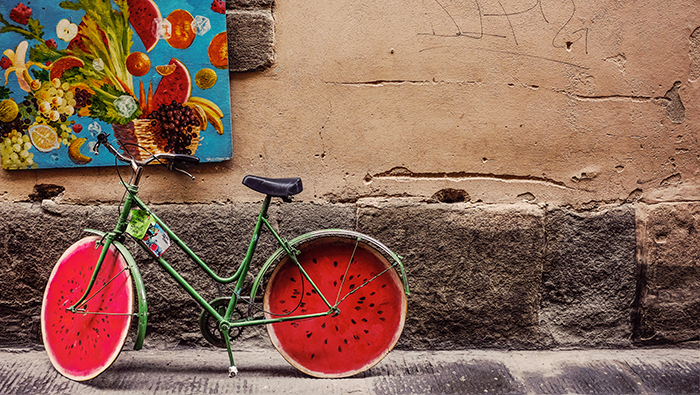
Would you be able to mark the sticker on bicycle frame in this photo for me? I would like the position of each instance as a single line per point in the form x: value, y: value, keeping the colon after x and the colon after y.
x: 139, y: 223
x: 156, y: 240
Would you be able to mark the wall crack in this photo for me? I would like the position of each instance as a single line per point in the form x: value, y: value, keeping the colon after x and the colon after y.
x: 402, y: 173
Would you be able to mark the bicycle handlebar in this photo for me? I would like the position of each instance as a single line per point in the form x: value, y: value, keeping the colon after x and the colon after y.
x: 102, y: 139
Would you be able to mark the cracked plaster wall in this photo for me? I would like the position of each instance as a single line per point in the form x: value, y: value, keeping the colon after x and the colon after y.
x: 574, y: 103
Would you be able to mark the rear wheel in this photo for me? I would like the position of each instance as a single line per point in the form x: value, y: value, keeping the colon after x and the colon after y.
x: 82, y: 345
x: 352, y: 273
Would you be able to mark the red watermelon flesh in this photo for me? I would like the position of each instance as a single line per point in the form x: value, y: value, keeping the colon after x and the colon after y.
x: 142, y: 15
x: 370, y: 321
x: 81, y: 346
x: 174, y: 86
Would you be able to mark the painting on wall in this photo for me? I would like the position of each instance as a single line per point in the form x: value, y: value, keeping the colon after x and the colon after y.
x: 151, y: 73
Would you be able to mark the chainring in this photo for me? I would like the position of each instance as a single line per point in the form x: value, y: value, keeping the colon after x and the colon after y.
x: 210, y: 327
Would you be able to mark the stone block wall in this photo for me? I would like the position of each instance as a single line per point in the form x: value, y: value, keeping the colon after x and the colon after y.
x: 520, y: 276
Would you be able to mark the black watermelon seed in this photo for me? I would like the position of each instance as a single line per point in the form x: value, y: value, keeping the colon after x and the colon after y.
x: 351, y: 277
x: 383, y: 285
x: 356, y: 337
x: 323, y: 326
x: 292, y: 280
x: 358, y: 308
x: 336, y: 328
x: 293, y: 296
x: 314, y: 261
x: 282, y: 302
x: 364, y: 320
x: 380, y: 312
x: 335, y: 283
x: 346, y: 341
x: 371, y: 305
x: 366, y: 331
x: 325, y: 341
x: 340, y: 349
x: 312, y: 356
x: 308, y: 294
x: 372, y: 293
x: 363, y: 298
x: 352, y: 286
x: 382, y: 319
x: 335, y: 263
x: 309, y: 334
x: 353, y: 321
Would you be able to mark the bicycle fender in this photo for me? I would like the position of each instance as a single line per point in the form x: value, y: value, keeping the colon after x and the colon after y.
x: 280, y: 253
x: 140, y: 289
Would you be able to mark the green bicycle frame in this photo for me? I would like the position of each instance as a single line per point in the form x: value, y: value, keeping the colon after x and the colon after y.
x: 225, y: 324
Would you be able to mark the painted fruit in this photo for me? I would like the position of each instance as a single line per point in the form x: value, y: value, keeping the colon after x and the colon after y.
x: 183, y: 30
x: 165, y: 69
x: 205, y: 78
x: 62, y: 64
x: 142, y: 15
x: 371, y: 301
x: 74, y: 151
x: 218, y: 51
x: 8, y: 110
x: 43, y: 137
x: 174, y: 86
x: 82, y: 345
x: 138, y: 64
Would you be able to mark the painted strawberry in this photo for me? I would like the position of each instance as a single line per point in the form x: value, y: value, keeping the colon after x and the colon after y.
x: 5, y: 63
x: 51, y: 43
x: 219, y: 6
x: 77, y: 128
x: 21, y: 14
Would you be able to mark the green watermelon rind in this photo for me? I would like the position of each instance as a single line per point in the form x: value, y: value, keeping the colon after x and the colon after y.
x: 88, y: 242
x: 277, y: 342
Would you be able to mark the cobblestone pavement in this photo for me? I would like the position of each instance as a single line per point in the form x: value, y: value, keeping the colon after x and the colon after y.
x: 203, y: 371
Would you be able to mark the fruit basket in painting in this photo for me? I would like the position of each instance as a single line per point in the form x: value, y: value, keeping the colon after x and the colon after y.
x: 146, y: 70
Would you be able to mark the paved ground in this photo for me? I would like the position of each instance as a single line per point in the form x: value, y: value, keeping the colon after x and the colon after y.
x: 189, y: 371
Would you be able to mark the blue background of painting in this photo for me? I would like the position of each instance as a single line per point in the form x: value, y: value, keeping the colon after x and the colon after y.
x: 213, y: 147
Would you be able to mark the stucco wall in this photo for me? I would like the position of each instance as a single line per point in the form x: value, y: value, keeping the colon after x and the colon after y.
x: 564, y: 102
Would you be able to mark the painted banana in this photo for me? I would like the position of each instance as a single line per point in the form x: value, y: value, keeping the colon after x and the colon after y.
x: 206, y: 103
x: 212, y: 111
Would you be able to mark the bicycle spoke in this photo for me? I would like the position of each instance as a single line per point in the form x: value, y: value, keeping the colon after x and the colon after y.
x: 364, y: 284
x: 103, y: 287
x: 347, y: 269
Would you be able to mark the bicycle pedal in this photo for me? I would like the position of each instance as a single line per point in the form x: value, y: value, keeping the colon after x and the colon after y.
x: 232, y: 371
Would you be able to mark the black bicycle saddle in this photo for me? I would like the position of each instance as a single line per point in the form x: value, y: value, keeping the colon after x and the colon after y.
x: 277, y: 187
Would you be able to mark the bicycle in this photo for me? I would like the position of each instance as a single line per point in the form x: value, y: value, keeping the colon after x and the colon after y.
x: 334, y: 304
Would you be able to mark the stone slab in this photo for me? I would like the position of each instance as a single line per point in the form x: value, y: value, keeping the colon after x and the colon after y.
x: 589, y: 277
x: 474, y: 271
x: 670, y: 294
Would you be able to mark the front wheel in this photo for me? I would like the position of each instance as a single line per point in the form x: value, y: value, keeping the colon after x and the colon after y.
x: 82, y: 345
x: 354, y: 275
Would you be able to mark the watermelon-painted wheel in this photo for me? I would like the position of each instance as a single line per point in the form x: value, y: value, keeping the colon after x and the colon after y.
x: 82, y: 345
x: 352, y: 273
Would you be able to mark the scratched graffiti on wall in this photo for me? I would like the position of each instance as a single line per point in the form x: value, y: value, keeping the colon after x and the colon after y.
x: 504, y: 21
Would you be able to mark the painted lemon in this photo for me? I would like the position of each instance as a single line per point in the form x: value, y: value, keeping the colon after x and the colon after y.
x: 205, y: 78
x: 8, y: 110
x: 43, y: 137
x: 74, y: 152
